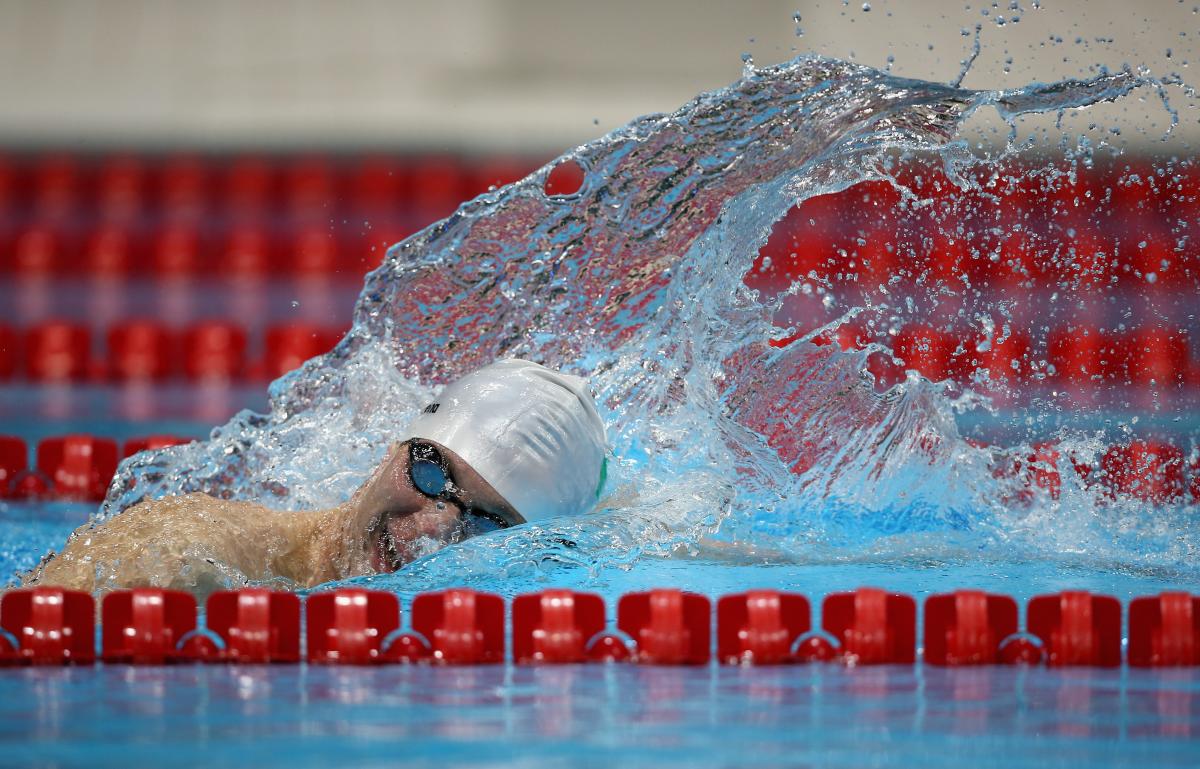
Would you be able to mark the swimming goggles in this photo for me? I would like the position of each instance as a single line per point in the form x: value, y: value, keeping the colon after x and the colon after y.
x: 430, y: 475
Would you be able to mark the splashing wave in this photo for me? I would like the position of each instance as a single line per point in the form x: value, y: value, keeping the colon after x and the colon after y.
x: 723, y: 443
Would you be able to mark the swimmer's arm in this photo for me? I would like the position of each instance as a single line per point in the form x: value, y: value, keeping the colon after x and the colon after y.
x: 723, y: 550
x: 195, y: 543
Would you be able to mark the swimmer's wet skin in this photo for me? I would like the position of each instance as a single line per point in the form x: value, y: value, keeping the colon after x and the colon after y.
x: 510, y: 443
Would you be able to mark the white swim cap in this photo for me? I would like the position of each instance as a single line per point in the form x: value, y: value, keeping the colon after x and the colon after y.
x: 531, y: 432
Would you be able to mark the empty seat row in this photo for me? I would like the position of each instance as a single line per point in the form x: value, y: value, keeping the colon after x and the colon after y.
x: 119, y: 184
x: 1148, y: 470
x: 909, y: 253
x: 121, y: 187
x: 69, y: 467
x: 1076, y: 357
x: 144, y: 350
x: 52, y: 626
x: 81, y: 467
x: 243, y: 250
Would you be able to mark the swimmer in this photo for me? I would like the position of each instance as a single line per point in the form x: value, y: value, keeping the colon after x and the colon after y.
x: 510, y: 443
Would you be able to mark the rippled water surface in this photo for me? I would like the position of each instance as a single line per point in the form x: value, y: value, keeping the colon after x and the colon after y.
x: 597, y: 716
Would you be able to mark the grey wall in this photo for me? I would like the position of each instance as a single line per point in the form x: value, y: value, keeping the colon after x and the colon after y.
x: 504, y: 73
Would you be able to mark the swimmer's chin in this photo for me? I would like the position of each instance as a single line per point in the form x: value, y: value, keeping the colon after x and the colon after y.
x: 384, y: 560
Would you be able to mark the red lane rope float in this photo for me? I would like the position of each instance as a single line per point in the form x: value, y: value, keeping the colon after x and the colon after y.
x: 460, y: 627
x: 668, y: 627
x: 1164, y: 630
x: 256, y: 626
x: 966, y: 627
x: 1077, y: 628
x: 81, y: 467
x: 14, y: 458
x: 555, y: 626
x: 149, y: 626
x: 78, y: 467
x: 872, y: 627
x: 51, y: 626
x: 348, y: 626
x: 760, y: 627
x: 144, y: 625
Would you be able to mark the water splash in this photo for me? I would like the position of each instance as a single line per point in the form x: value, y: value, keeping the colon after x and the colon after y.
x: 723, y: 442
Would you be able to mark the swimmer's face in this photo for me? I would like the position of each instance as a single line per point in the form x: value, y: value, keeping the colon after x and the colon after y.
x: 403, y: 521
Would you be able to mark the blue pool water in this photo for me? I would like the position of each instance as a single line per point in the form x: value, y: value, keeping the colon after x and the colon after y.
x: 606, y: 715
x: 599, y: 716
x: 735, y: 464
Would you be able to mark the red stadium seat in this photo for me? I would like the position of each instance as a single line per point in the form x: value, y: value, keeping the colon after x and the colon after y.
x: 52, y: 626
x: 348, y: 626
x: 9, y: 354
x: 178, y: 251
x: 14, y: 457
x: 1003, y: 359
x: 57, y: 352
x: 377, y: 184
x: 437, y: 188
x: 1080, y: 355
x: 374, y: 244
x: 247, y: 253
x: 314, y: 252
x: 144, y: 626
x: 310, y: 187
x: 1147, y: 470
x: 760, y: 626
x: 257, y: 625
x: 967, y: 627
x: 1164, y: 630
x: 8, y: 184
x: 793, y: 252
x: 151, y: 443
x: 183, y: 187
x: 249, y: 187
x: 1158, y: 356
x: 111, y: 252
x: 120, y: 187
x: 462, y: 627
x: 140, y: 350
x: 555, y: 626
x: 948, y: 262
x: 1085, y: 262
x: 566, y: 178
x: 669, y: 627
x: 37, y: 252
x: 56, y: 185
x: 876, y: 261
x: 926, y: 350
x: 1077, y: 628
x: 497, y: 172
x: 872, y: 627
x: 289, y: 346
x: 80, y: 467
x: 214, y: 350
x: 1151, y: 258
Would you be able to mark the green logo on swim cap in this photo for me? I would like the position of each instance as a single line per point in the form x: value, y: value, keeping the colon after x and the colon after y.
x: 603, y: 477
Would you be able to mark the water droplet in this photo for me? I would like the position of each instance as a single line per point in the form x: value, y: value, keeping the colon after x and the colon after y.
x: 866, y: 7
x: 295, y: 303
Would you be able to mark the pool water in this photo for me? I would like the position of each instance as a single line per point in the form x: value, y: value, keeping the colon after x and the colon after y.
x: 598, y: 716
x: 606, y: 715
